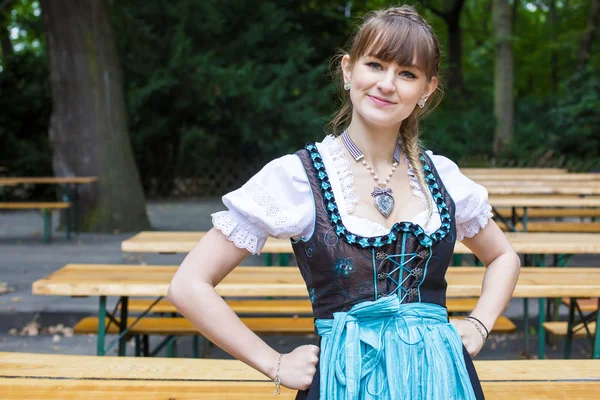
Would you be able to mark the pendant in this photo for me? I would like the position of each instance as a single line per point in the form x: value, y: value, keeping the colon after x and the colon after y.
x: 384, y: 202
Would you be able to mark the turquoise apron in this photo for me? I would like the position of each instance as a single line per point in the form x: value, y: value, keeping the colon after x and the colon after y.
x: 386, y: 350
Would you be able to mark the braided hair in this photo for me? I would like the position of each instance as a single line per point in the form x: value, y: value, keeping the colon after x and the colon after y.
x: 400, y: 35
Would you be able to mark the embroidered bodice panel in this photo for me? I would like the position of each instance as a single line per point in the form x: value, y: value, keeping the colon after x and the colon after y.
x: 342, y: 268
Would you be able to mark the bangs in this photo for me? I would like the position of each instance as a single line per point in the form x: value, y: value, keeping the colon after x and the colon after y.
x: 396, y: 39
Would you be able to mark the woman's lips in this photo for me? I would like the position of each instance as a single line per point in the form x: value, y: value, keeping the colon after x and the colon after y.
x: 380, y: 102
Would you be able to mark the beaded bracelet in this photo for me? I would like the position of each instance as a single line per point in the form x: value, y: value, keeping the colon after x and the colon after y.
x: 476, y: 325
x: 487, y: 333
x: 277, y: 379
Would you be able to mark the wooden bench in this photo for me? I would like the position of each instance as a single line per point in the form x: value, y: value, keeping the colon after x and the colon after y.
x: 553, y: 213
x: 51, y: 376
x: 278, y: 306
x: 555, y: 227
x: 45, y: 208
x: 260, y: 325
x: 585, y: 305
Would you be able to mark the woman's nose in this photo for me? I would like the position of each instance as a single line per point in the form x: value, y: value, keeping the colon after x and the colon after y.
x: 386, y: 83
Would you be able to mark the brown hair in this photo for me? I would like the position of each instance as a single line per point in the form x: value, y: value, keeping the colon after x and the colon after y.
x: 396, y: 34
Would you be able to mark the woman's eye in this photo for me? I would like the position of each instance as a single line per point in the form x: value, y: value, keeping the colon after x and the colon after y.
x: 375, y: 65
x: 408, y: 74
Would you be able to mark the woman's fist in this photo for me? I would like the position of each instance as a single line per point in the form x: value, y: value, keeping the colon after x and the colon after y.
x: 298, y: 368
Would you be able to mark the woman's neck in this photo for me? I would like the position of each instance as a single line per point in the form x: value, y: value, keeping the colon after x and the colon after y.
x: 377, y: 144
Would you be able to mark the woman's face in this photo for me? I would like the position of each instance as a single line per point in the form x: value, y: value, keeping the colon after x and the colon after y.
x: 385, y: 93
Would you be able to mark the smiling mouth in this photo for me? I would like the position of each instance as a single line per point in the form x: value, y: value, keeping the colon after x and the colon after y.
x: 379, y: 100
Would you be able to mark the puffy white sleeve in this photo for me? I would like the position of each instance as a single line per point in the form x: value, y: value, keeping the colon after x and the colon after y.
x: 471, y: 199
x: 277, y: 202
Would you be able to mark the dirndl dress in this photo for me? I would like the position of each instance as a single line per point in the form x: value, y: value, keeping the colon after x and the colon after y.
x: 380, y: 303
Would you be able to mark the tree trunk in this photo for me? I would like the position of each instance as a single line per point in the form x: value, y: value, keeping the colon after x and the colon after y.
x: 455, y: 73
x: 451, y: 15
x: 503, y: 76
x: 88, y: 127
x: 585, y: 49
x: 553, y: 22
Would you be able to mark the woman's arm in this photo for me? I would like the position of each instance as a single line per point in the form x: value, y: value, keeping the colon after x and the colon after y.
x: 192, y: 291
x: 492, y: 247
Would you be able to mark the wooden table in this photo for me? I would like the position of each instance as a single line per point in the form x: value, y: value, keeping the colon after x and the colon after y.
x: 28, y: 376
x: 548, y: 177
x: 523, y: 242
x: 127, y: 280
x: 70, y: 184
x: 538, y: 201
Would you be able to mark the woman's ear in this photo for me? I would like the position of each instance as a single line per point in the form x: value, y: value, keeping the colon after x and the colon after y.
x: 346, y: 68
x: 430, y: 87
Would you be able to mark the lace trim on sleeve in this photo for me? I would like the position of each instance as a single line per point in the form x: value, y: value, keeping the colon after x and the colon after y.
x: 344, y: 173
x: 414, y: 181
x: 240, y: 231
x: 471, y: 228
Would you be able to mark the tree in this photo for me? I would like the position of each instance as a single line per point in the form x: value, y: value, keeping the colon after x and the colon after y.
x: 88, y: 127
x: 451, y: 15
x: 585, y: 48
x: 503, y: 76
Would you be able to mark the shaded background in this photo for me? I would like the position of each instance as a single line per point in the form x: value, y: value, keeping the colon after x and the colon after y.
x: 214, y: 89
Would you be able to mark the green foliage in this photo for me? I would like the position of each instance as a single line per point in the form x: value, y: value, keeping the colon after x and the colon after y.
x: 212, y: 80
x: 222, y: 78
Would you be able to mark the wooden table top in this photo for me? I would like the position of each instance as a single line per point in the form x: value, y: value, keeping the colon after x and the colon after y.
x: 154, y: 368
x: 133, y: 280
x: 543, y: 201
x: 25, y: 376
x: 510, y: 170
x: 16, y: 180
x: 519, y: 177
x: 523, y: 242
x: 530, y: 189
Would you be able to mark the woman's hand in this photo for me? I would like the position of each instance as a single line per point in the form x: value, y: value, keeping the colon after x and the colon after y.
x: 470, y: 336
x: 298, y: 367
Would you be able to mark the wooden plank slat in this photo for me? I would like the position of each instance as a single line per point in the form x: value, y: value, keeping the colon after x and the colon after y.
x: 144, y: 281
x: 279, y: 306
x: 13, y: 364
x: 559, y: 328
x: 522, y: 242
x: 559, y: 226
x: 552, y: 212
x: 269, y: 325
x: 48, y: 180
x: 18, y: 389
x: 33, y: 205
x: 543, y: 201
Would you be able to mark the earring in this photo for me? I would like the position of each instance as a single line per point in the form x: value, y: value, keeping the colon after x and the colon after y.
x: 347, y: 85
x: 421, y: 102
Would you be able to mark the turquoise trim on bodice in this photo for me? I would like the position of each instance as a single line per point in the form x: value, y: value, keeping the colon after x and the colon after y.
x: 378, y: 241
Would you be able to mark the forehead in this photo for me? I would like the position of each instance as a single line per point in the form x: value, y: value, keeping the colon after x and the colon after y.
x: 404, y: 45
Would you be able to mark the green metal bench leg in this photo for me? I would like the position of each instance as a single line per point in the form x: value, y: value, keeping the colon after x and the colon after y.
x: 268, y: 259
x: 596, y: 351
x: 47, y: 225
x: 283, y: 259
x: 172, y: 347
x: 138, y: 346
x: 457, y: 260
x: 569, y: 339
x: 101, y: 326
x: 526, y: 326
x: 196, y: 343
x: 123, y: 325
x: 541, y: 330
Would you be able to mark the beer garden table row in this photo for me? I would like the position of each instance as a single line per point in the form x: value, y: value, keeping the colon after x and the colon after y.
x: 143, y: 281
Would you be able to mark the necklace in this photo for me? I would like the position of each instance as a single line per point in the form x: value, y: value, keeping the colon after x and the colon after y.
x: 382, y: 196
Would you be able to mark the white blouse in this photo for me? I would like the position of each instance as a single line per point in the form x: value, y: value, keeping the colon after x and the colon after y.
x: 278, y: 201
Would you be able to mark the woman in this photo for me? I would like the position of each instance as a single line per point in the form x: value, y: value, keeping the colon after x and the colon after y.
x: 376, y: 284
